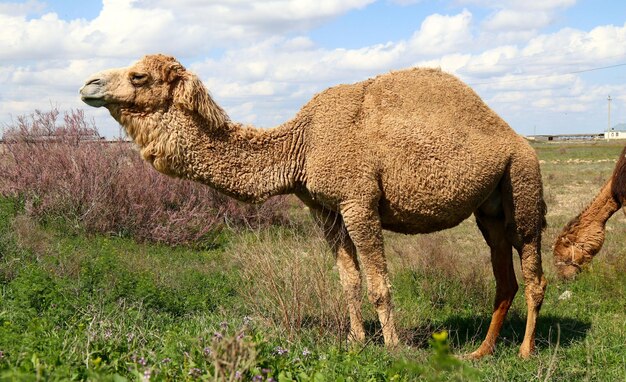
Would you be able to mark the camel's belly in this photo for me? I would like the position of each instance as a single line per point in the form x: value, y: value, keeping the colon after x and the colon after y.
x: 428, y: 218
x: 429, y: 205
x: 416, y: 222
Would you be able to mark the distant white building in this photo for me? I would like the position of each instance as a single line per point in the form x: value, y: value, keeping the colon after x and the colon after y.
x: 616, y: 132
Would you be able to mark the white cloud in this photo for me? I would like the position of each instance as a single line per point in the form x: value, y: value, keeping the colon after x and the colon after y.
x: 449, y: 63
x: 440, y: 34
x: 236, y: 19
x: 492, y: 62
x: 520, y: 4
x: 268, y: 65
x: 546, y: 5
x: 515, y: 21
x: 601, y: 43
x: 124, y: 28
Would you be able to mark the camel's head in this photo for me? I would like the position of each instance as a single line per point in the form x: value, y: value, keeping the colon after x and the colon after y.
x: 575, y: 247
x: 154, y: 84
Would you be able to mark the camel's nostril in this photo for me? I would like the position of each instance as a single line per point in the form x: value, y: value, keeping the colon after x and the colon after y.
x: 94, y: 81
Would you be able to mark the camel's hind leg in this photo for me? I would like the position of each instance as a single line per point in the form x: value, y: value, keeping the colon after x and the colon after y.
x: 347, y: 265
x: 534, y: 292
x: 493, y: 230
x: 525, y: 208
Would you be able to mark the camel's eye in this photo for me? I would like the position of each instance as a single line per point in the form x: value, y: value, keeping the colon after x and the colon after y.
x: 138, y: 79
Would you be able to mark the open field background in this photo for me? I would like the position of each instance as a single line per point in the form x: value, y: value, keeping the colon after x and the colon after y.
x: 258, y: 299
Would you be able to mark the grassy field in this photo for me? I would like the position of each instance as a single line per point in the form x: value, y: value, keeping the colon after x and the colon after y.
x: 266, y: 305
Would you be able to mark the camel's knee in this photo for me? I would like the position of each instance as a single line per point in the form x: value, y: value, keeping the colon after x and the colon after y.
x: 535, y: 291
x: 352, y: 290
x: 379, y: 296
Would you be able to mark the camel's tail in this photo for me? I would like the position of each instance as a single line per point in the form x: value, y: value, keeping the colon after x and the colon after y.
x: 618, y: 186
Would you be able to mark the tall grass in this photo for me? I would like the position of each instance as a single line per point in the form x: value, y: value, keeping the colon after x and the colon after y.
x: 62, y: 175
x: 290, y: 283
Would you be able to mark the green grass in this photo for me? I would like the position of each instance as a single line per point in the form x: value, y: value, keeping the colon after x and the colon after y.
x: 580, y: 151
x: 268, y: 303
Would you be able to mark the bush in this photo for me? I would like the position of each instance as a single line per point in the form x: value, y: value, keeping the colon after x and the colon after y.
x: 63, y: 173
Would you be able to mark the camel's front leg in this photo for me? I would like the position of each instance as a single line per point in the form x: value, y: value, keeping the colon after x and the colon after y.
x: 347, y: 265
x: 364, y: 227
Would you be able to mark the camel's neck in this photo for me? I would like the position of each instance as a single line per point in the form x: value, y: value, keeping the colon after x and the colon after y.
x: 245, y: 163
x: 599, y: 210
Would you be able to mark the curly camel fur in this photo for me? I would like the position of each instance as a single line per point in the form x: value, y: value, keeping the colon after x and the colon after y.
x: 412, y: 151
x: 582, y: 238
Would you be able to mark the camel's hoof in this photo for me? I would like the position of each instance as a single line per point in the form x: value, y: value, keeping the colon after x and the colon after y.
x: 474, y: 356
x: 393, y: 342
x: 527, y: 349
x: 525, y: 353
x: 392, y: 345
x: 356, y: 339
x: 482, y: 351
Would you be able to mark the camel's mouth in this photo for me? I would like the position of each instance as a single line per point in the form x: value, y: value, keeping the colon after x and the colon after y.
x: 567, y: 271
x: 93, y: 101
x: 91, y: 94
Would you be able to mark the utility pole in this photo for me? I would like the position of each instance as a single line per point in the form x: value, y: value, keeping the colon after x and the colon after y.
x: 609, y: 118
x: 608, y: 126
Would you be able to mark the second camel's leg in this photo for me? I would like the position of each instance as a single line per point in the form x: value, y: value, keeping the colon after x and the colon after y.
x: 348, y: 266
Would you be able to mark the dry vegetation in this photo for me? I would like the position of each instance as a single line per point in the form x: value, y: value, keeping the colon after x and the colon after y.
x: 60, y: 174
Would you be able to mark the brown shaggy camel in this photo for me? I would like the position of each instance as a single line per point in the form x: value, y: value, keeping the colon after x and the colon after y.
x: 582, y: 238
x: 412, y: 151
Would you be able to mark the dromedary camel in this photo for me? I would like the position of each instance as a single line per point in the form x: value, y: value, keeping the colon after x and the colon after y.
x: 582, y: 238
x: 412, y: 151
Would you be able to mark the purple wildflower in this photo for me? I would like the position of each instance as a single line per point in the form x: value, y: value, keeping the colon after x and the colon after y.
x: 195, y: 372
x: 206, y: 351
x: 306, y: 352
x: 237, y: 374
x: 218, y: 336
x: 257, y: 378
x: 280, y: 350
x: 166, y: 360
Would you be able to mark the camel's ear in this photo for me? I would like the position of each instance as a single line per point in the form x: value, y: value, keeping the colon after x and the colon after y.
x: 190, y: 94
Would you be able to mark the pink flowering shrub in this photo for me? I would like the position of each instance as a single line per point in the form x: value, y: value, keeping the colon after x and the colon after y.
x: 64, y: 173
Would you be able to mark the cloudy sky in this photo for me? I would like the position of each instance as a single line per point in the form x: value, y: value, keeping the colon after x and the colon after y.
x: 545, y: 66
